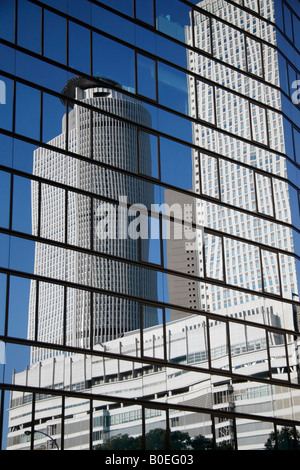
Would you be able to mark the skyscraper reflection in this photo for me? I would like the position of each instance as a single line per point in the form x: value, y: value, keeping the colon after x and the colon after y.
x: 77, y: 219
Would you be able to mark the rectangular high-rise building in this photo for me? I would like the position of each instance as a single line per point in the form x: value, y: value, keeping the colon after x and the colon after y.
x: 248, y: 197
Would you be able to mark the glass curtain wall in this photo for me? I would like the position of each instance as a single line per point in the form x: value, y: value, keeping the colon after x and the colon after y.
x: 149, y: 224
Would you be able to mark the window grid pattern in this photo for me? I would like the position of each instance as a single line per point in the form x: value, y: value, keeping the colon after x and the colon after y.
x: 244, y: 256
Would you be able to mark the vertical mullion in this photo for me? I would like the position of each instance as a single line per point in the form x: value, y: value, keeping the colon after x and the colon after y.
x: 16, y: 21
x: 66, y: 215
x: 223, y: 260
x: 193, y: 28
x: 273, y: 197
x: 11, y: 200
x: 268, y: 353
x: 36, y: 320
x: 137, y: 140
x: 210, y: 19
x: 7, y: 305
x: 279, y: 275
x: 196, y: 96
x: 200, y: 173
x: 154, y: 11
x: 215, y: 120
x: 255, y: 192
x: 67, y: 43
x: 160, y: 218
x: 91, y: 54
x: 267, y: 127
x: 275, y: 436
x: 258, y: 8
x: 228, y: 345
x: 245, y: 37
x: 91, y: 425
x: 250, y: 121
x: 32, y: 422
x: 208, y: 344
x: 92, y: 320
x: 14, y: 82
x: 62, y: 434
x: 213, y: 426
x: 235, y: 434
x: 262, y: 61
x: 261, y: 269
x: 143, y: 443
x: 42, y: 30
x: 65, y: 316
x: 136, y: 81
x: 219, y: 179
x: 165, y: 335
x: 156, y: 81
x: 67, y: 128
x: 158, y: 158
x: 92, y: 203
x: 168, y: 431
x: 41, y: 114
x: 2, y: 411
x: 39, y: 209
x: 134, y: 9
x: 14, y: 105
x: 141, y: 330
x: 203, y: 253
x: 287, y: 358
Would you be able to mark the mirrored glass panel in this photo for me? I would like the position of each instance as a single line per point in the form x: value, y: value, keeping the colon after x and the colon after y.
x: 149, y: 225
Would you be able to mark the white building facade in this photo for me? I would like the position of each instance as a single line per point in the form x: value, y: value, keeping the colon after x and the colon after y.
x: 229, y: 102
x: 114, y: 383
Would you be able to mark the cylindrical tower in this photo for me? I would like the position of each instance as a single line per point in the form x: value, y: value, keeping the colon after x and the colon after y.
x: 94, y: 132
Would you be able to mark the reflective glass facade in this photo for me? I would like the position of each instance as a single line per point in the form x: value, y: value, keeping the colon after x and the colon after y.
x: 149, y: 224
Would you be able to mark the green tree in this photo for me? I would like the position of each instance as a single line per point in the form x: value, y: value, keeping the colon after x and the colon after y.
x: 180, y: 440
x: 156, y: 439
x: 121, y: 442
x: 201, y: 443
x: 285, y: 439
x: 225, y: 445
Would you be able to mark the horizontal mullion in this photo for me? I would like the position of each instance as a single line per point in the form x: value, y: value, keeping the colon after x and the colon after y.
x: 155, y: 57
x: 158, y: 303
x: 152, y: 213
x: 241, y: 30
x: 150, y: 130
x: 141, y: 360
x: 156, y: 181
x: 196, y: 196
x: 153, y: 102
x: 155, y: 266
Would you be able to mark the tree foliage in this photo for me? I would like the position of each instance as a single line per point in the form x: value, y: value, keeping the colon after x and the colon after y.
x: 286, y: 440
x: 157, y: 439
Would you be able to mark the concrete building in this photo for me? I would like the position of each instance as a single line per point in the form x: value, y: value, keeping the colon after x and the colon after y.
x: 218, y: 173
x: 191, y: 341
x: 181, y: 255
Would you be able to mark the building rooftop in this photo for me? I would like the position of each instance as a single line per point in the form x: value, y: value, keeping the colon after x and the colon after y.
x: 84, y: 84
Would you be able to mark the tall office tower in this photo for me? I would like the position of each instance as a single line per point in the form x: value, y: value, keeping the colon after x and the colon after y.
x: 181, y: 254
x: 238, y: 105
x: 91, y: 223
x: 227, y: 372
